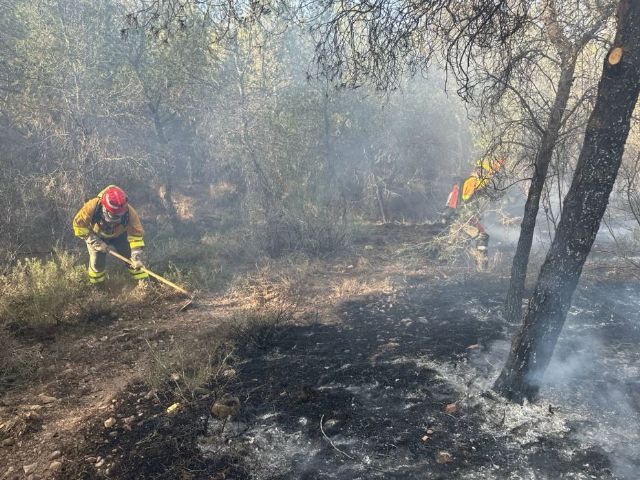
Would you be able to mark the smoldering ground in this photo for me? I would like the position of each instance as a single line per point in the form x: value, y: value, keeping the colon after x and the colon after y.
x: 368, y: 398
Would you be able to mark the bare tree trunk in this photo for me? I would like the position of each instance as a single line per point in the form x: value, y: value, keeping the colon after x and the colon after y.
x: 379, y: 197
x: 166, y: 195
x: 513, y: 304
x: 328, y: 151
x: 584, y: 206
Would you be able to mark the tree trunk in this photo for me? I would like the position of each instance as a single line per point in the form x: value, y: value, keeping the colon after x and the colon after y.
x: 513, y: 304
x: 379, y: 197
x: 328, y: 153
x: 584, y: 206
x: 166, y: 194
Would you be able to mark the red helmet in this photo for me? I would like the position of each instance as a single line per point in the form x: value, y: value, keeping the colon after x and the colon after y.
x: 114, y: 200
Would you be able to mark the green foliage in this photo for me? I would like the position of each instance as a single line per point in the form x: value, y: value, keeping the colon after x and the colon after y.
x: 160, y: 115
x: 43, y: 292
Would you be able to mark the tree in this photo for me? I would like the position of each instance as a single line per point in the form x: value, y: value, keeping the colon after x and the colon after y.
x: 568, y: 50
x: 584, y: 207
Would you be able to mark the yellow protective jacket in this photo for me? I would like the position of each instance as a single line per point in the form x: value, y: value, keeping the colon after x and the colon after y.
x: 485, y: 169
x: 89, y: 219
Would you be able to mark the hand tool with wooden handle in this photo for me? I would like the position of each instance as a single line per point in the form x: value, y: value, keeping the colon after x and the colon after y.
x: 157, y: 277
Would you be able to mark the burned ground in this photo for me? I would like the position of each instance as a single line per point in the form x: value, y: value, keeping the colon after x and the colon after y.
x: 393, y: 388
x: 379, y: 381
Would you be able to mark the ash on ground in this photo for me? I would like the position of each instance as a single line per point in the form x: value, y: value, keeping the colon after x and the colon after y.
x: 397, y: 390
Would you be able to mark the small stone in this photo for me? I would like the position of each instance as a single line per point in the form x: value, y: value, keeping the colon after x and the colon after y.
x: 430, y: 432
x: 100, y: 463
x: 110, y: 422
x: 425, y: 438
x: 175, y: 377
x: 444, y: 457
x: 55, y: 455
x: 29, y: 469
x: 451, y: 408
x: 55, y: 466
x: 33, y: 416
x: 7, y: 442
x: 225, y: 407
x: 90, y: 459
x: 129, y: 420
x: 150, y: 394
x: 46, y: 399
x: 104, y: 339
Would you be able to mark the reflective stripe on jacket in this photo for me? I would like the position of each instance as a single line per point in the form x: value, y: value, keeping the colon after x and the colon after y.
x: 84, y: 223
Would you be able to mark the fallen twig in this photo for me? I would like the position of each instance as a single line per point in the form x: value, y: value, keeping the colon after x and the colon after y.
x: 329, y: 440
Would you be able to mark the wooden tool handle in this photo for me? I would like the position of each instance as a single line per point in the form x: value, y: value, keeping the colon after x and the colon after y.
x: 150, y: 273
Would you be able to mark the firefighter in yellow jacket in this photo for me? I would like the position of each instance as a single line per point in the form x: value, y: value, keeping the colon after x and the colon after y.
x: 108, y: 221
x: 461, y: 200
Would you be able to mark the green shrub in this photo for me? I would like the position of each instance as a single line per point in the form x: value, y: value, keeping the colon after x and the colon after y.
x: 43, y: 292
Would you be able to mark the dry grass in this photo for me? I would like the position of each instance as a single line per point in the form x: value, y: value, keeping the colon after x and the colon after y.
x: 260, y: 328
x: 344, y: 289
x: 275, y: 283
x: 184, y: 368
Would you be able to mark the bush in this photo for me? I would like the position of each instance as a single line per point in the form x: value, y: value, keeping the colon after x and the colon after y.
x: 313, y: 230
x: 43, y: 292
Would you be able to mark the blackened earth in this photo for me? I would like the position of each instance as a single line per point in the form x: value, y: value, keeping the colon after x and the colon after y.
x: 370, y: 397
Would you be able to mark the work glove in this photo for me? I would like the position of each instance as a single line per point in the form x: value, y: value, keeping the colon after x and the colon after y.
x: 136, y: 258
x: 96, y: 244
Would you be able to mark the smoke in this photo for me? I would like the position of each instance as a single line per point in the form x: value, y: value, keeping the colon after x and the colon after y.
x: 590, y: 394
x: 596, y: 378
